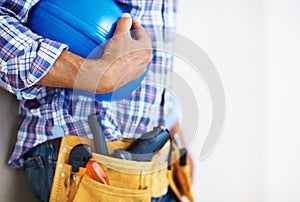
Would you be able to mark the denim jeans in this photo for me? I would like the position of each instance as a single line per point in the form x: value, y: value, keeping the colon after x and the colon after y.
x: 40, y: 164
x: 168, y: 197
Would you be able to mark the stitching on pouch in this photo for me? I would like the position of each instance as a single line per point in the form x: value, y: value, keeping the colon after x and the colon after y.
x: 114, y: 193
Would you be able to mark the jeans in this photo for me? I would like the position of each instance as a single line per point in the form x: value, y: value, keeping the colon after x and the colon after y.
x: 40, y: 164
x: 168, y: 197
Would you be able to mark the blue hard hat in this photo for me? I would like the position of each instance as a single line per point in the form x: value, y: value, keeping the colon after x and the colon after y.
x: 83, y: 26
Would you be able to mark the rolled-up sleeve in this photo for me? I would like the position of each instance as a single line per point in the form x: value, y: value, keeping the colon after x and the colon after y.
x: 25, y: 56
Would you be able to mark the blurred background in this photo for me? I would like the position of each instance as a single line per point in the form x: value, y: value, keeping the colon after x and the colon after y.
x: 255, y: 47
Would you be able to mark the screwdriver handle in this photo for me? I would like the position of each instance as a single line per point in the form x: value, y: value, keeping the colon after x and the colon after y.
x: 94, y: 121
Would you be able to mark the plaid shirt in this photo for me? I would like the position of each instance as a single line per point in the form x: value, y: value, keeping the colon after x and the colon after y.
x: 48, y: 113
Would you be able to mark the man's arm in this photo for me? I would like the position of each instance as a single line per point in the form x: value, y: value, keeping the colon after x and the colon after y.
x: 28, y: 59
x: 124, y: 60
x: 24, y: 56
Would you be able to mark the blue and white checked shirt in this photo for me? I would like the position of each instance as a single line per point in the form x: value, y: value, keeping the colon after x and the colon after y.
x: 48, y: 113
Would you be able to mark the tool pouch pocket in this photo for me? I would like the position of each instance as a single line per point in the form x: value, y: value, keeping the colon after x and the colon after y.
x: 179, y: 176
x: 128, y: 180
x: 90, y: 190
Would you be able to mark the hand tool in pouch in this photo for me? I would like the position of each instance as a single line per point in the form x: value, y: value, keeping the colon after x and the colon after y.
x: 94, y: 121
x: 145, y: 146
x: 79, y: 156
x: 96, y: 172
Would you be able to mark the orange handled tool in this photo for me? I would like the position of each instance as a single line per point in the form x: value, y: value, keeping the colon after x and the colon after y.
x: 96, y: 172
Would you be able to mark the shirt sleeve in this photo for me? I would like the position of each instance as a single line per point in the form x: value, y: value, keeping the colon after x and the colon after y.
x: 25, y: 57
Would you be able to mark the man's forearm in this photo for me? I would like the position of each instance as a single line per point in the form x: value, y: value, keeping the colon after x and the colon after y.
x: 75, y: 72
x: 64, y: 71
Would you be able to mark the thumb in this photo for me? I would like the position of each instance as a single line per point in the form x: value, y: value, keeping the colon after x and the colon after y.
x: 124, y: 24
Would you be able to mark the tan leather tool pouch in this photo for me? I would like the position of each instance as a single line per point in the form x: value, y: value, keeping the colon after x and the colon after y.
x: 128, y: 180
x: 179, y: 176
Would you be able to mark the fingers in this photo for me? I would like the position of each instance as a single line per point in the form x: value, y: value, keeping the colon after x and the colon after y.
x: 136, y: 24
x: 138, y: 30
x: 124, y: 24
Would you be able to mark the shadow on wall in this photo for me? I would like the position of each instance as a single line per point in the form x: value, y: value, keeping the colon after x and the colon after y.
x: 13, y: 185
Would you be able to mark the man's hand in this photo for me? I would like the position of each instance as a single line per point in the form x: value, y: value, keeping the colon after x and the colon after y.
x: 124, y: 59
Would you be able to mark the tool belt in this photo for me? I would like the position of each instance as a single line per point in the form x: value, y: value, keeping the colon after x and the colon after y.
x: 128, y: 180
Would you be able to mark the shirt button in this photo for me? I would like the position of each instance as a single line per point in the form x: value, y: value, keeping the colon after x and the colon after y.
x: 57, y: 131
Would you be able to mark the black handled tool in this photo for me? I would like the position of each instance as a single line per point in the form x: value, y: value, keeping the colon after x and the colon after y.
x: 99, y: 138
x: 79, y: 156
x: 145, y: 146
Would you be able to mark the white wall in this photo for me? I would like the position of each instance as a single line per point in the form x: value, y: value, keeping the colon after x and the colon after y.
x: 255, y: 45
x: 281, y: 104
x: 230, y: 33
